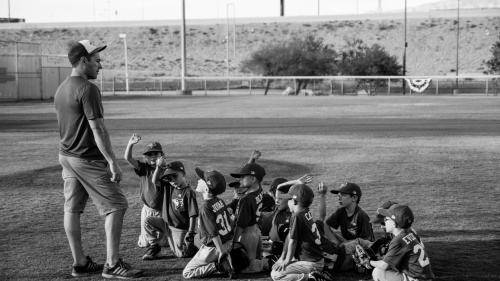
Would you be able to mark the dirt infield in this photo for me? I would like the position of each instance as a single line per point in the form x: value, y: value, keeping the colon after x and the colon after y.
x: 438, y: 154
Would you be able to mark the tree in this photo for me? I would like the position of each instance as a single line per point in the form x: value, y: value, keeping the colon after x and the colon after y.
x: 493, y: 65
x: 303, y: 56
x: 357, y: 59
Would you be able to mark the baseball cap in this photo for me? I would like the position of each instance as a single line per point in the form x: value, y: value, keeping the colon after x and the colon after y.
x: 275, y: 183
x: 252, y: 169
x: 348, y: 188
x: 173, y: 167
x: 301, y: 193
x: 234, y: 184
x: 379, y: 218
x: 401, y: 214
x: 81, y: 49
x: 152, y: 147
x: 215, y: 180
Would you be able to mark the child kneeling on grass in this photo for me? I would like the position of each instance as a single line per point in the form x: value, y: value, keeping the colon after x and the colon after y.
x: 214, y: 226
x: 406, y: 251
x: 302, y: 257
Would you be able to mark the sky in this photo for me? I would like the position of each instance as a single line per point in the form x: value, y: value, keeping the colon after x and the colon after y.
x: 128, y: 10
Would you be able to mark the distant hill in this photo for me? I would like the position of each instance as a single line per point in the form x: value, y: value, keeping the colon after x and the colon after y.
x: 452, y: 5
x: 155, y: 51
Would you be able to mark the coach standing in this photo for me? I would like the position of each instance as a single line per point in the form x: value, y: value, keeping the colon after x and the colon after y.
x: 84, y: 154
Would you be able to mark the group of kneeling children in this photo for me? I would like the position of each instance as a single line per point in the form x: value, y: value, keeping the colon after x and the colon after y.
x: 276, y: 228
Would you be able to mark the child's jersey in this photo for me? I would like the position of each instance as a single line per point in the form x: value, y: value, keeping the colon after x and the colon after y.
x: 304, y: 230
x: 150, y: 194
x: 407, y: 254
x: 214, y: 220
x: 280, y: 218
x: 179, y: 205
x: 249, y: 209
x: 356, y: 226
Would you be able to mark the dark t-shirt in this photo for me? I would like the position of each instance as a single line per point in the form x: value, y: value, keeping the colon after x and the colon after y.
x: 407, y: 254
x: 179, y: 205
x: 214, y: 220
x: 76, y: 101
x: 350, y: 228
x: 249, y: 208
x: 268, y: 203
x: 279, y: 219
x: 151, y: 194
x: 304, y: 230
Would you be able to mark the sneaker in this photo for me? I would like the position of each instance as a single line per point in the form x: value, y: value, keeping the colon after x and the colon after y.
x: 316, y: 275
x: 90, y: 267
x: 154, y: 251
x: 121, y: 270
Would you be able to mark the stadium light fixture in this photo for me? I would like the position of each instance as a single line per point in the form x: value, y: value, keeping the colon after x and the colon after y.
x: 124, y: 37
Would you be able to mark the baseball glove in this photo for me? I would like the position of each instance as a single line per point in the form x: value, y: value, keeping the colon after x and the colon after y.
x: 189, y: 249
x: 362, y: 257
x: 236, y: 261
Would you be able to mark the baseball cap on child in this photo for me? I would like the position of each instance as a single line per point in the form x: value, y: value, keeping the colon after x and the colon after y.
x: 275, y: 183
x: 300, y: 193
x: 81, y: 49
x: 348, y: 188
x: 401, y: 214
x: 215, y: 180
x: 152, y: 147
x: 379, y: 218
x: 251, y: 169
x: 173, y: 167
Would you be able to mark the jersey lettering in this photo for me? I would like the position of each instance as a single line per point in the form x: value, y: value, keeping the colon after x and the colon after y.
x: 258, y: 212
x: 422, y: 259
x: 315, y: 230
x: 224, y: 224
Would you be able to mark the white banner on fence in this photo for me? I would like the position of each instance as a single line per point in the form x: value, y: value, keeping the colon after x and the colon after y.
x: 418, y: 85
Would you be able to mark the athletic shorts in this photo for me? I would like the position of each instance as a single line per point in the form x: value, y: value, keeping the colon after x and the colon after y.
x: 84, y: 178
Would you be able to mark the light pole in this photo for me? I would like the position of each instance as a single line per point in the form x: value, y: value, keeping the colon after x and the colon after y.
x: 124, y: 36
x: 458, y: 34
x: 404, y: 57
x: 8, y: 3
x: 227, y: 36
x: 183, y: 52
x: 318, y: 7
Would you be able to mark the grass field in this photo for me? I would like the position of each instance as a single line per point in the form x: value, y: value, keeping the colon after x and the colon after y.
x: 440, y: 155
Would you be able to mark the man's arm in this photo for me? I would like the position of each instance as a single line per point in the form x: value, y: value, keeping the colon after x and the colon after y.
x: 103, y: 142
x: 192, y: 223
x: 322, y: 201
x: 128, y: 151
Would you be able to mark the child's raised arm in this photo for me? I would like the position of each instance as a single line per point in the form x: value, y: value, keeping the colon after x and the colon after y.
x: 128, y: 151
x: 254, y: 156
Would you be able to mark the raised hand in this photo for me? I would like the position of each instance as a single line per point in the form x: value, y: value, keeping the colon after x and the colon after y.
x: 306, y: 179
x: 322, y: 188
x: 134, y: 139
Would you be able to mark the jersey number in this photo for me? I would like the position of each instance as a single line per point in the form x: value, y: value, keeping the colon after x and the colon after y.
x: 315, y: 230
x: 258, y: 212
x: 224, y: 223
x: 422, y: 259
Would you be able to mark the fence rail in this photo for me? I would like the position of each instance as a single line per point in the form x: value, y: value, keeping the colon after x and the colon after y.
x: 315, y: 85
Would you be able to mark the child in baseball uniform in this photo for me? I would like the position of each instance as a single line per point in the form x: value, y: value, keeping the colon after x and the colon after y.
x: 406, y: 258
x: 248, y: 214
x: 352, y: 220
x: 302, y: 254
x: 150, y: 194
x: 214, y: 225
x: 179, y: 213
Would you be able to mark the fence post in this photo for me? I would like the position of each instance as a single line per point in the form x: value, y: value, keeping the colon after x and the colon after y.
x: 342, y: 87
x: 331, y: 87
x: 228, y: 86
x: 205, y: 86
x: 113, y: 85
x: 17, y: 73
x: 389, y: 87
x: 161, y: 87
x: 295, y: 86
x: 250, y: 86
x: 486, y: 86
x: 437, y: 87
